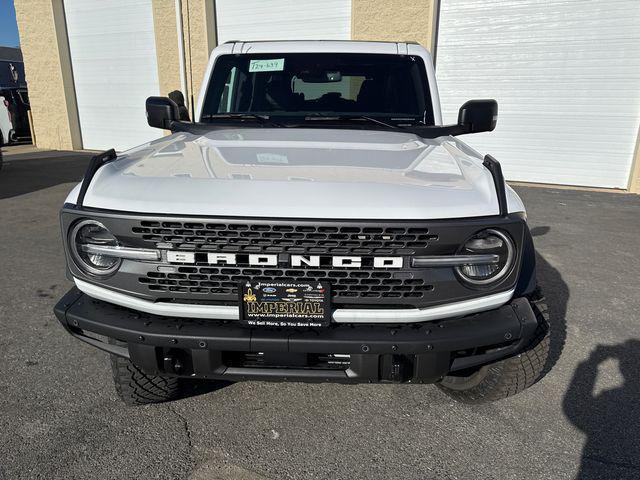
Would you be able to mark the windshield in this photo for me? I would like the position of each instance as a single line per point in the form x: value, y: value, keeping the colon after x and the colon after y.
x: 308, y: 86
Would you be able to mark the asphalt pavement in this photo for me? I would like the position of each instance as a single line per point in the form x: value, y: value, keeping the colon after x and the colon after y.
x: 60, y: 417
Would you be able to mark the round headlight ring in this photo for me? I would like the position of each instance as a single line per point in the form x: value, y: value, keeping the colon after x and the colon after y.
x: 504, y: 270
x: 83, y: 260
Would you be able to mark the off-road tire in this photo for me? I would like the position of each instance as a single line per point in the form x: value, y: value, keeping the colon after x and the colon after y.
x: 510, y: 376
x: 134, y: 387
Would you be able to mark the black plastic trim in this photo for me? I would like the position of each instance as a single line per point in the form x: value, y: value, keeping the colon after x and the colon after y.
x: 488, y: 219
x: 95, y: 163
x: 494, y: 167
x: 527, y: 280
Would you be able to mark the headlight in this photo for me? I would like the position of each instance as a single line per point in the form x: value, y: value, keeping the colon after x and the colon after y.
x: 493, y: 244
x: 85, y: 235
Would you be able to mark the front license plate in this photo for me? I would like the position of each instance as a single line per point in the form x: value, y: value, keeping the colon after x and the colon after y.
x: 285, y: 304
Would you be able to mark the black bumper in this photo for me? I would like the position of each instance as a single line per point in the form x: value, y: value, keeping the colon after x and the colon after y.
x: 195, y: 348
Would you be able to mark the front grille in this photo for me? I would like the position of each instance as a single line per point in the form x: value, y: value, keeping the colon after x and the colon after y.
x: 284, y: 238
x: 202, y: 282
x: 346, y: 284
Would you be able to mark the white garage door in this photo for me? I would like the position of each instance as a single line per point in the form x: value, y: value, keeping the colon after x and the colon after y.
x: 113, y: 56
x: 566, y: 74
x: 283, y: 20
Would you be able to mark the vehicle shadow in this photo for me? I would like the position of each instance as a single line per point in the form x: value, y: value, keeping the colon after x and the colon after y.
x: 556, y: 292
x: 23, y: 173
x: 610, y: 419
x: 195, y: 388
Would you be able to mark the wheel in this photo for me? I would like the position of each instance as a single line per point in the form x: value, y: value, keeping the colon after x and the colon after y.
x: 134, y: 387
x: 506, y: 377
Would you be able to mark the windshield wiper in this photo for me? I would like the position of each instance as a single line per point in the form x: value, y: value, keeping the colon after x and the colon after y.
x: 375, y: 120
x: 263, y: 119
x: 320, y: 116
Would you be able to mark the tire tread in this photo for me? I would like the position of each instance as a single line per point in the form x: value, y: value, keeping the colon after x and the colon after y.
x: 512, y: 375
x: 134, y: 387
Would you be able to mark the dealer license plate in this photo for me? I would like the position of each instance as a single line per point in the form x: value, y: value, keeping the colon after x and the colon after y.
x: 285, y: 304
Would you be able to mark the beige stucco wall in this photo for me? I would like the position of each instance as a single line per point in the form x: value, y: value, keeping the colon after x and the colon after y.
x: 43, y: 40
x: 198, y: 26
x: 166, y: 36
x: 199, y: 33
x: 393, y: 20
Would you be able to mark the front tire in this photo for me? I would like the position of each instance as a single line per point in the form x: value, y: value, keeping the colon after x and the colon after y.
x: 506, y: 377
x: 134, y: 387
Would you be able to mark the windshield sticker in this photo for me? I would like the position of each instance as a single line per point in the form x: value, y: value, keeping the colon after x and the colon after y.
x: 274, y: 65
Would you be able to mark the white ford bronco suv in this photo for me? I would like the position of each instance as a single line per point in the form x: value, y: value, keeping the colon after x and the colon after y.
x: 316, y: 222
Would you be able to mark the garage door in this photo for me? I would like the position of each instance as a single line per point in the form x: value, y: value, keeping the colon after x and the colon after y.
x: 113, y: 56
x: 283, y: 20
x: 566, y: 75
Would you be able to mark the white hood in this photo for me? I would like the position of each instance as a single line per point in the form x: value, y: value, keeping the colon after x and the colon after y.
x: 299, y: 173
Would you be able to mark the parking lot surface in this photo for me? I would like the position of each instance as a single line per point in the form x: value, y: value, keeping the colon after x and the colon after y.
x: 60, y: 418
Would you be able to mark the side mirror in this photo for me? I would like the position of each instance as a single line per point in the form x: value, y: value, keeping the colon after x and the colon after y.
x: 478, y: 116
x: 161, y: 112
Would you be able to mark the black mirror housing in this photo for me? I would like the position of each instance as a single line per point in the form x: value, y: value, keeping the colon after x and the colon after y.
x: 478, y: 116
x: 161, y: 112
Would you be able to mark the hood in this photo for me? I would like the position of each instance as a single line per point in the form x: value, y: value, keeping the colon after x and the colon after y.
x: 298, y: 173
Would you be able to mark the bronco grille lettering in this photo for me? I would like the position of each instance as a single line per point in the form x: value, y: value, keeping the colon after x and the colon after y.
x: 264, y: 260
x: 311, y: 261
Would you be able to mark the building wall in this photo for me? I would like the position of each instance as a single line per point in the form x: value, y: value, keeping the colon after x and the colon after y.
x: 198, y: 28
x: 166, y: 34
x: 43, y: 40
x: 199, y: 39
x: 394, y: 20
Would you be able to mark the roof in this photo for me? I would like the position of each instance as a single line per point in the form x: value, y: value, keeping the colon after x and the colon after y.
x: 320, y: 40
x: 326, y: 46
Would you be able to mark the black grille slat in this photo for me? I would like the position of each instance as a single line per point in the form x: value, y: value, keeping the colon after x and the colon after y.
x: 344, y: 283
x: 279, y: 238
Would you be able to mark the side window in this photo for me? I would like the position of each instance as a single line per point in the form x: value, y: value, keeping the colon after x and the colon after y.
x: 228, y: 97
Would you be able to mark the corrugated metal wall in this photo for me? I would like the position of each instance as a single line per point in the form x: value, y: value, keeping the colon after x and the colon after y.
x: 283, y: 20
x: 566, y: 74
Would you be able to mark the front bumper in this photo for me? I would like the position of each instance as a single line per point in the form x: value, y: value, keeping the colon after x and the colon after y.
x: 216, y: 349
